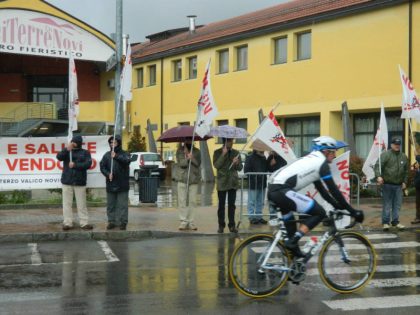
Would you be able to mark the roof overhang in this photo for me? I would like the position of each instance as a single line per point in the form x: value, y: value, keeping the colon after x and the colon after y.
x: 38, y: 28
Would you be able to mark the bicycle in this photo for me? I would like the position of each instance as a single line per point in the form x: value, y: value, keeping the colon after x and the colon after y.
x: 261, y: 265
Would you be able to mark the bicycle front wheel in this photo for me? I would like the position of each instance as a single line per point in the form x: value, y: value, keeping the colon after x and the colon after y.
x: 246, y: 271
x: 347, y: 262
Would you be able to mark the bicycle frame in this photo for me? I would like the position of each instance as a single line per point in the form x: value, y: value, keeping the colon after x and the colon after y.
x: 281, y: 235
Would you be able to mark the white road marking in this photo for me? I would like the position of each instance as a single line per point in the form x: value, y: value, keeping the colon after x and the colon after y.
x: 35, y: 255
x: 384, y: 268
x: 374, y: 302
x: 109, y: 254
x: 57, y: 263
x: 394, y: 282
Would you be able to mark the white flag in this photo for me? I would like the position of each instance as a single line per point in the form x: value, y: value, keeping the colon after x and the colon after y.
x: 410, y: 101
x: 126, y: 76
x: 272, y: 136
x: 207, y: 109
x: 73, y: 109
x: 340, y: 171
x: 380, y: 143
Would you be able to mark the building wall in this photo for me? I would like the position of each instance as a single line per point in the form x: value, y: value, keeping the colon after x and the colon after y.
x: 354, y: 59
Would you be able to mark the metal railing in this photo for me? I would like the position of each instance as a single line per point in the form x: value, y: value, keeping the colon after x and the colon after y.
x: 264, y: 213
x: 24, y: 116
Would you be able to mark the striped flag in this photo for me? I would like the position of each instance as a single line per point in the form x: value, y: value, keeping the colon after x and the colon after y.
x: 410, y: 101
x: 73, y: 110
x: 380, y: 143
x: 126, y: 76
x: 207, y: 109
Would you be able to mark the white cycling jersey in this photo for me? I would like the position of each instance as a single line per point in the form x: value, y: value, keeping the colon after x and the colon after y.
x: 302, y: 172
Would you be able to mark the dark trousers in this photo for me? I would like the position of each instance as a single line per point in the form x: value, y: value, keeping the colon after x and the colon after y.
x: 117, y: 207
x: 417, y: 204
x: 231, y: 194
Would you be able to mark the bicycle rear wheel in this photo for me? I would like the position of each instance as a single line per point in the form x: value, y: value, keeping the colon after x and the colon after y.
x: 349, y: 268
x: 245, y: 269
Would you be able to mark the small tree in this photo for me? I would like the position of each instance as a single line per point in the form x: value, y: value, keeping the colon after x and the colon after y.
x: 137, y: 142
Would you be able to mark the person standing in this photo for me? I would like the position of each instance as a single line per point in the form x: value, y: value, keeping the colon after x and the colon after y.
x: 227, y: 162
x: 275, y: 162
x: 186, y: 153
x: 256, y: 162
x: 417, y: 186
x: 392, y: 173
x: 76, y: 162
x: 117, y: 183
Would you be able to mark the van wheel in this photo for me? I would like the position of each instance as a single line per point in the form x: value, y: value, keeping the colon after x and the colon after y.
x: 136, y: 175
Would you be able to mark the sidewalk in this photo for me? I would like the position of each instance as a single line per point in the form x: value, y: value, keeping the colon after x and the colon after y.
x: 33, y: 225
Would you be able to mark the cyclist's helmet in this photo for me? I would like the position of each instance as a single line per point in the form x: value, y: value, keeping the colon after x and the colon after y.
x: 327, y: 143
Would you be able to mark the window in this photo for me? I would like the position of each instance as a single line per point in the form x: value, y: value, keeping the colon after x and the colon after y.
x: 304, y: 46
x: 140, y: 77
x: 301, y: 131
x: 221, y: 122
x: 365, y: 126
x: 177, y: 70
x: 242, y: 58
x: 224, y: 61
x: 152, y: 75
x: 192, y: 67
x: 280, y: 50
x: 241, y: 123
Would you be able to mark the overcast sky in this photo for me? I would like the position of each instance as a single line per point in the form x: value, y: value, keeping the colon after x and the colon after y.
x: 145, y: 17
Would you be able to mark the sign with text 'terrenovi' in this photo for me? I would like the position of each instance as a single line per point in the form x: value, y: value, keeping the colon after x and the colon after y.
x: 31, y: 163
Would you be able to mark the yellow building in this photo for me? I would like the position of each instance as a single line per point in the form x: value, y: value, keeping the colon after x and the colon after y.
x: 307, y: 56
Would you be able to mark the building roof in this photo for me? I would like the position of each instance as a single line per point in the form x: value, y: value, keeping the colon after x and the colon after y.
x: 286, y: 15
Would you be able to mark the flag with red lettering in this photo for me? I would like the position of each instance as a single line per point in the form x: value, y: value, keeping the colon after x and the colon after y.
x: 207, y: 109
x: 73, y: 109
x: 380, y: 143
x: 340, y: 170
x: 410, y: 101
x: 126, y: 76
x: 271, y: 135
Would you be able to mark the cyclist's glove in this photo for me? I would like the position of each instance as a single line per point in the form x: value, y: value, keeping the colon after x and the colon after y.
x: 358, y: 215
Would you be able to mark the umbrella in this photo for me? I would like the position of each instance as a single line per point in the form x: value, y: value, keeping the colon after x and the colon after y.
x: 229, y: 132
x: 179, y: 134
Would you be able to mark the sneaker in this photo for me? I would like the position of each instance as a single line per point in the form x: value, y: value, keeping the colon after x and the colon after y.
x: 254, y: 221
x: 415, y: 221
x: 273, y: 222
x: 183, y: 226
x: 87, y: 227
x: 262, y: 221
x: 399, y: 226
x: 67, y: 227
x: 123, y: 226
x: 110, y: 226
x: 220, y: 229
x: 192, y: 226
x: 385, y: 227
x: 294, y: 248
x: 233, y: 229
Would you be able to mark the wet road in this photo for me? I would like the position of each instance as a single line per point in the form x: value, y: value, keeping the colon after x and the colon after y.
x: 186, y: 275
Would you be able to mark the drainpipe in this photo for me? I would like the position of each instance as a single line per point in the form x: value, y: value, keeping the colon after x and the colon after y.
x: 410, y: 47
x: 161, y: 103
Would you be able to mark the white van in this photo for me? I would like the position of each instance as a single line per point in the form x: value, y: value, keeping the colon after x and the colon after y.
x: 140, y: 161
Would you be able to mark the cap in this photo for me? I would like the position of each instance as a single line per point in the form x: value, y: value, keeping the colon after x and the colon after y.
x: 396, y: 141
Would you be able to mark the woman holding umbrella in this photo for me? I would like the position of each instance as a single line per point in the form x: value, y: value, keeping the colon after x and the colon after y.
x: 185, y: 155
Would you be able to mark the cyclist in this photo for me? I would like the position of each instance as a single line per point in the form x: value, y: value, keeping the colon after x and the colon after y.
x: 285, y: 183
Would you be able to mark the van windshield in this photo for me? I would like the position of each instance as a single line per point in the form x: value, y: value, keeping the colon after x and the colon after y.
x: 151, y: 157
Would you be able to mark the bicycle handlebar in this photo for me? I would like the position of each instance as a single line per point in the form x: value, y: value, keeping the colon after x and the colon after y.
x: 346, y: 212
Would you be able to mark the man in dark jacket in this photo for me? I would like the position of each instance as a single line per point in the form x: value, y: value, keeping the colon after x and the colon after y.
x: 117, y: 183
x: 392, y: 174
x: 256, y: 162
x: 76, y: 162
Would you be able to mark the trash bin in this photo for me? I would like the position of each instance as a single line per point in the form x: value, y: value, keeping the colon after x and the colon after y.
x: 148, y: 184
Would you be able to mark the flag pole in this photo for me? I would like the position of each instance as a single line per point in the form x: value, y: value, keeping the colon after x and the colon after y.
x: 259, y: 127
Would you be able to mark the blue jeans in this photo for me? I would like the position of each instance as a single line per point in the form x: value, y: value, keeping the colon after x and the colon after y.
x: 392, y: 200
x: 255, y: 203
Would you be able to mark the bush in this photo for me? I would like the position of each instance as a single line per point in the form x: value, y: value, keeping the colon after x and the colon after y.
x: 137, y: 142
x: 15, y: 197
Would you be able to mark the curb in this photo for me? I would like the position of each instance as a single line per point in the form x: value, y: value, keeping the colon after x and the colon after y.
x: 142, y: 235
